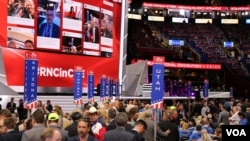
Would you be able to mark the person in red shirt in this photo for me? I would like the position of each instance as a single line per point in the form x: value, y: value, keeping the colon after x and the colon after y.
x: 71, y: 14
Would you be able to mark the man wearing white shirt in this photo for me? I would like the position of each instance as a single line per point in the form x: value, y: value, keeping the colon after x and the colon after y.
x: 235, y: 119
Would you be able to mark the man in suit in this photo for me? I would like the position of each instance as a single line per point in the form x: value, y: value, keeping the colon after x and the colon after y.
x: 88, y: 33
x: 223, y: 116
x: 12, y: 134
x: 149, y: 132
x: 83, y: 129
x: 11, y: 105
x: 95, y: 30
x: 111, y: 118
x: 49, y: 106
x: 37, y: 127
x: 22, y: 112
x: 49, y: 28
x: 139, y: 129
x: 88, y: 16
x: 182, y: 114
x: 119, y: 133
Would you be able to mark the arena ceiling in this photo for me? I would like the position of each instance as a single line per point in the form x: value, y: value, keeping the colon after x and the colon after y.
x: 138, y: 3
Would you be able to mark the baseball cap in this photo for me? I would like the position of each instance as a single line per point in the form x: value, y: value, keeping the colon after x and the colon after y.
x: 92, y: 110
x: 53, y: 116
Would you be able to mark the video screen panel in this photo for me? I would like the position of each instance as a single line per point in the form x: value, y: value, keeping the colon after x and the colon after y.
x: 179, y: 20
x: 50, y: 19
x: 229, y: 21
x: 21, y: 12
x: 48, y: 25
x: 247, y: 21
x: 107, y: 32
x: 20, y: 38
x: 72, y: 42
x: 176, y: 43
x: 72, y: 15
x: 228, y: 44
x: 91, y: 30
x: 57, y: 31
x: 203, y: 21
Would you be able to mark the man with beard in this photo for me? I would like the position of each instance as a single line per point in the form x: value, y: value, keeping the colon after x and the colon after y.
x: 83, y: 129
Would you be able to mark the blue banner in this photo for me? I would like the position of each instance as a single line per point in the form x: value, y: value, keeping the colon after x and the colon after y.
x: 30, y: 83
x: 103, y: 88
x: 189, y: 89
x: 231, y: 91
x: 205, y: 89
x: 91, y: 87
x: 157, y: 86
x: 78, y: 86
x: 117, y: 89
x: 110, y: 87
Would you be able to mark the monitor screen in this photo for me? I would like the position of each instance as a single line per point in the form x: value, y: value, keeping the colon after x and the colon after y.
x: 63, y: 34
x: 228, y: 44
x: 247, y: 21
x: 176, y: 43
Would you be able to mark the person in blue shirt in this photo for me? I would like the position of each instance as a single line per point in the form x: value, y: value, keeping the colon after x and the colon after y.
x: 196, y: 134
x: 206, y: 126
x: 243, y: 120
x: 184, y: 133
x: 192, y: 125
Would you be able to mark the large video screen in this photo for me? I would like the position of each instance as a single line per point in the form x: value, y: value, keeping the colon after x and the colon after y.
x: 65, y: 26
x: 64, y: 34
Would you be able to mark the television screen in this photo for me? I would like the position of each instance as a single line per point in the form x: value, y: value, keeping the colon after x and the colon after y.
x: 63, y: 34
x: 203, y: 21
x: 229, y: 21
x: 156, y: 18
x: 134, y: 16
x: 179, y: 20
x: 228, y: 44
x: 176, y: 43
x: 247, y: 21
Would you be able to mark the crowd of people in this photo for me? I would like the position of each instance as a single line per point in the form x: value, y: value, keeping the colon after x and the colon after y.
x: 130, y: 120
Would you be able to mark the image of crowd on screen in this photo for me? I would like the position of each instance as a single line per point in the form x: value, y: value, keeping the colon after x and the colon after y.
x: 27, y: 44
x: 21, y: 8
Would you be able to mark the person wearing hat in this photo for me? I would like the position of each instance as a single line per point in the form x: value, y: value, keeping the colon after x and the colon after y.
x: 52, y: 122
x: 72, y: 128
x: 97, y: 128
